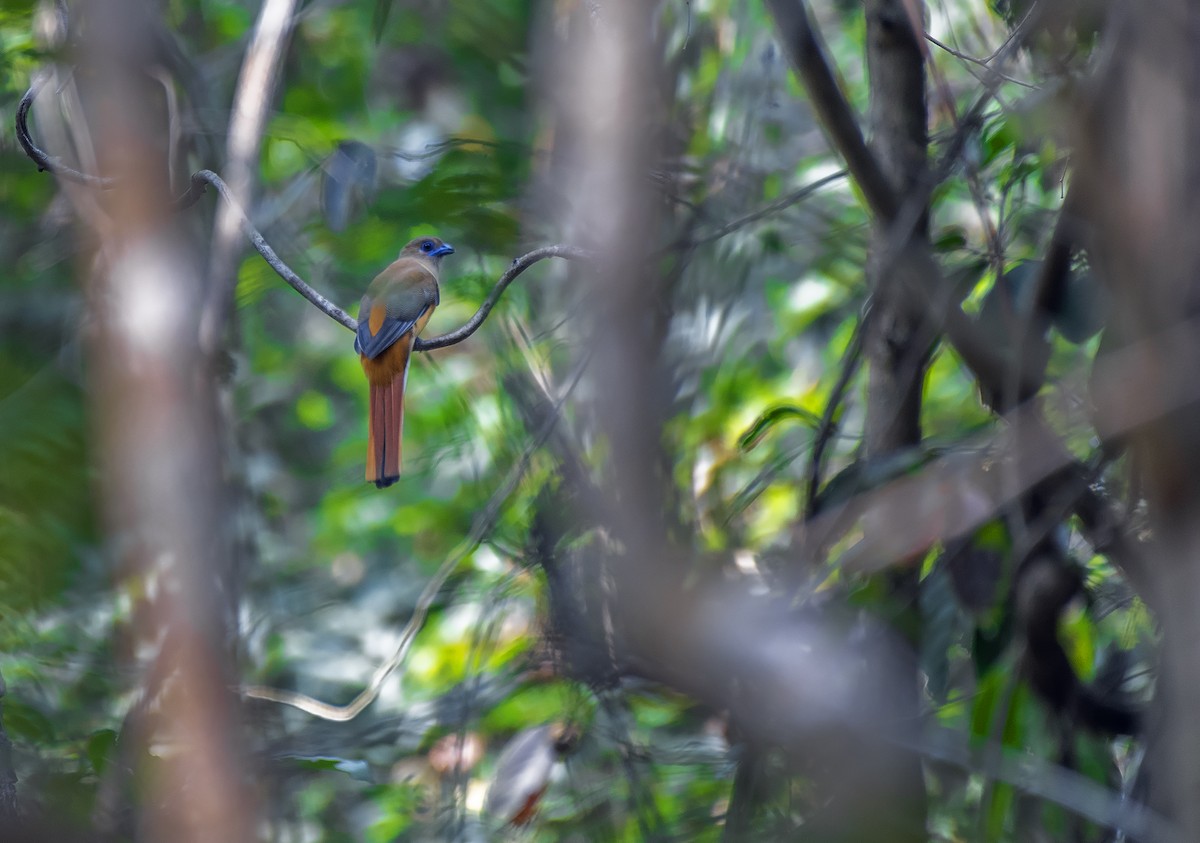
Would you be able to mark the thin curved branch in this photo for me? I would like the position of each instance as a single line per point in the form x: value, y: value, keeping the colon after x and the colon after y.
x: 196, y: 189
x: 518, y: 266
x: 259, y: 242
x: 44, y: 160
x: 781, y: 204
x: 981, y: 62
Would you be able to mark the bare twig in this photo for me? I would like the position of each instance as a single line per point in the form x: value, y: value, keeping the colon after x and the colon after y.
x: 780, y: 204
x: 259, y: 242
x: 340, y: 316
x: 518, y: 266
x: 981, y: 62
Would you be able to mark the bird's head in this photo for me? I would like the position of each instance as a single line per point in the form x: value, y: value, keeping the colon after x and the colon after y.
x: 429, y: 248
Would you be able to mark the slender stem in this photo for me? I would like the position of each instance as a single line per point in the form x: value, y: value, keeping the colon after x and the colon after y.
x: 518, y: 266
x: 828, y: 424
x: 259, y: 242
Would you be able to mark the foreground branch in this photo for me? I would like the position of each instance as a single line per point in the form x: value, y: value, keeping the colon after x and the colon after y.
x: 255, y: 90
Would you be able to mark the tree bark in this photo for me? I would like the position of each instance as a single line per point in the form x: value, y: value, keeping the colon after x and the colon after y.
x: 897, y: 338
x: 1137, y: 133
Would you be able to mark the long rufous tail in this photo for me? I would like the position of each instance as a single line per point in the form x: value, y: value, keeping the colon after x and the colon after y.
x: 386, y: 427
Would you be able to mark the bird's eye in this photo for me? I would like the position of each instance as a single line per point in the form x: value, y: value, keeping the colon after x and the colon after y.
x: 427, y: 246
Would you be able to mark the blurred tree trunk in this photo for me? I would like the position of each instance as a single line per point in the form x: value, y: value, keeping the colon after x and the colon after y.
x: 153, y: 401
x: 897, y: 339
x: 1140, y: 179
x: 897, y: 344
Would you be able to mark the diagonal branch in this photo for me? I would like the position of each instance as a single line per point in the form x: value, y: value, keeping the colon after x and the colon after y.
x: 780, y: 204
x: 519, y: 265
x: 260, y: 243
x: 807, y: 55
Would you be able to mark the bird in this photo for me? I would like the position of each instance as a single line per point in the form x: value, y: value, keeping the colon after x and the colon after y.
x: 393, y: 312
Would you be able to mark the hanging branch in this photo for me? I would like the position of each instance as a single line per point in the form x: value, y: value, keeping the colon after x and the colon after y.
x: 197, y: 187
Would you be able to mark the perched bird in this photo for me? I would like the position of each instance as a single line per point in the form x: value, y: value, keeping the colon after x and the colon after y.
x: 394, y: 310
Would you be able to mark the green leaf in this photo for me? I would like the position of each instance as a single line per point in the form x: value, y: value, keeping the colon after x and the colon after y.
x: 770, y: 418
x: 940, y: 628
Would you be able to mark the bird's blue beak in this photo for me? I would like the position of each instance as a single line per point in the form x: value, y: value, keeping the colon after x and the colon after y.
x: 444, y: 249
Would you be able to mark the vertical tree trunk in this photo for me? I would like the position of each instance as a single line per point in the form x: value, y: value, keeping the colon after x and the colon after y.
x: 896, y: 340
x: 153, y: 404
x: 1140, y: 179
x: 896, y: 347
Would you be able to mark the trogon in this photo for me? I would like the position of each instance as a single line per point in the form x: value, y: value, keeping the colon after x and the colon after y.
x: 393, y: 312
